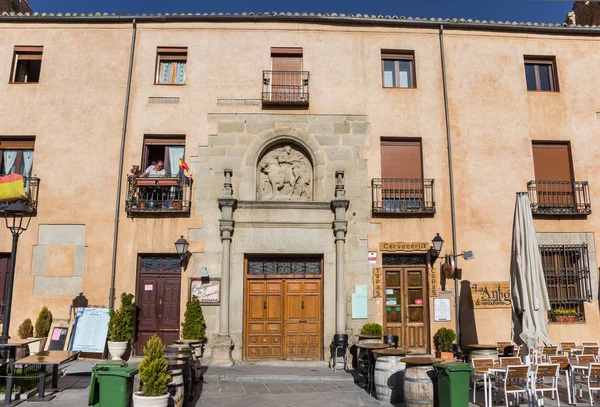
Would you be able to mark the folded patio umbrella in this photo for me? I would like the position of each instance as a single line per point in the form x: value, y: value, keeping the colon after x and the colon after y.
x: 530, y: 301
x: 11, y: 187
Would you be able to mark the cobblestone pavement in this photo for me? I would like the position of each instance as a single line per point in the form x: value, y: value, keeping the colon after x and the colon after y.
x: 295, y: 388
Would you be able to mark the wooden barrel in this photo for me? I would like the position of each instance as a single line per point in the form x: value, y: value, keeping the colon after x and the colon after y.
x: 484, y: 353
x: 418, y: 387
x: 389, y: 375
x: 177, y: 388
x: 179, y: 357
x: 196, y: 348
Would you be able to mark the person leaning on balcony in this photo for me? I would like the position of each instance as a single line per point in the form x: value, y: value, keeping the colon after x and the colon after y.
x: 156, y: 170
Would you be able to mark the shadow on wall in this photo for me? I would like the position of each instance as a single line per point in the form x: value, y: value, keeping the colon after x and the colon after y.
x: 468, y: 328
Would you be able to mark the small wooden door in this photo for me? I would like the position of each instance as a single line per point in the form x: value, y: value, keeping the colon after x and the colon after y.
x: 158, y: 299
x: 302, y: 319
x: 406, y: 306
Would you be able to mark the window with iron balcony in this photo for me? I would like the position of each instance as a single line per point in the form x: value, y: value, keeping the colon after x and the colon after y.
x: 286, y: 83
x: 160, y: 186
x: 17, y: 184
x: 402, y: 190
x: 555, y: 192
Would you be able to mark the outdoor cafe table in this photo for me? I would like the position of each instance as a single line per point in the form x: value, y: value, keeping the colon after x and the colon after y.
x: 391, y: 352
x: 370, y: 347
x: 12, y: 345
x: 370, y: 338
x: 53, y: 358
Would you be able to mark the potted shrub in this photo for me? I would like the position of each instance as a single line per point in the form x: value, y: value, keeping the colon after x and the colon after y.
x: 154, y: 376
x: 121, y: 327
x: 371, y: 328
x: 443, y: 340
x: 25, y: 331
x: 564, y: 315
x: 42, y: 328
x: 193, y: 326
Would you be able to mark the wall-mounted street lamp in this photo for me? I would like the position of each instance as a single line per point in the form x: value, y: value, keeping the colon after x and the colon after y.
x: 182, y: 245
x: 436, y: 248
x: 17, y: 217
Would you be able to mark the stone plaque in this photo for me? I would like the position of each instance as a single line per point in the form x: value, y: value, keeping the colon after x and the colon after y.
x: 285, y: 174
x: 403, y: 246
x: 490, y: 295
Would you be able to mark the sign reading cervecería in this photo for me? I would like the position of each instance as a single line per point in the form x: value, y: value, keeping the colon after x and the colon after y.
x: 490, y: 295
x: 403, y: 246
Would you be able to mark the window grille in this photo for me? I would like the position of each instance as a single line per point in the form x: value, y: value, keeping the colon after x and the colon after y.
x: 263, y: 266
x: 567, y: 274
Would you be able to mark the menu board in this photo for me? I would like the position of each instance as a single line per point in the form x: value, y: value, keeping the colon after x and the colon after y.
x: 90, y: 330
x: 441, y: 310
x: 58, y: 338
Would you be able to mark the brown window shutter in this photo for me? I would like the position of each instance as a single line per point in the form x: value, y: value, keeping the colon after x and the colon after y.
x: 401, y: 159
x: 17, y: 143
x: 398, y: 55
x: 164, y: 140
x: 288, y: 51
x: 172, y: 50
x: 281, y: 63
x: 27, y: 48
x: 552, y: 162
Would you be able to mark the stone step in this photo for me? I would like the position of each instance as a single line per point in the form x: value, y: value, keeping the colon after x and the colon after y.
x: 278, y: 372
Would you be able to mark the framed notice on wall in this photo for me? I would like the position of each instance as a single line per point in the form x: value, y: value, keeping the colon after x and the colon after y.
x: 207, y: 291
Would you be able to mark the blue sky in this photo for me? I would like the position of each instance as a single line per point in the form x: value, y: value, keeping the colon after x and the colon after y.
x: 552, y: 11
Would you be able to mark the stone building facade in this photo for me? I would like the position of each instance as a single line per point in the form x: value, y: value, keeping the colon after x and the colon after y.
x: 306, y: 216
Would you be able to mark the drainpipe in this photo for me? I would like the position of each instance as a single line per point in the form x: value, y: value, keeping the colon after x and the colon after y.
x: 111, y: 293
x: 451, y: 177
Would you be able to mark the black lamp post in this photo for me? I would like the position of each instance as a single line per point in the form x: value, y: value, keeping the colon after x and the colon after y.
x: 436, y: 249
x: 181, y: 245
x: 17, y: 217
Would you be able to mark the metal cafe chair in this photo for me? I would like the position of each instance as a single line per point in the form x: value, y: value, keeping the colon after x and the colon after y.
x: 391, y: 340
x: 590, y: 350
x: 480, y: 372
x: 564, y: 369
x: 590, y: 380
x: 340, y: 342
x: 546, y: 371
x: 514, y: 381
x: 565, y: 347
x: 589, y: 343
x: 547, y: 352
x: 501, y: 346
x: 512, y: 360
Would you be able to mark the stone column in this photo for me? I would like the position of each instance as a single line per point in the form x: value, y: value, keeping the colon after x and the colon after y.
x: 340, y: 228
x: 222, y: 342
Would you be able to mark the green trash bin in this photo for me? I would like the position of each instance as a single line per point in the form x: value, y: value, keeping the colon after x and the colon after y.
x: 111, y: 384
x: 453, y: 383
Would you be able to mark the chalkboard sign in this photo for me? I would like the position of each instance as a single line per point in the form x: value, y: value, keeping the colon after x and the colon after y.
x: 90, y: 330
x: 58, y: 338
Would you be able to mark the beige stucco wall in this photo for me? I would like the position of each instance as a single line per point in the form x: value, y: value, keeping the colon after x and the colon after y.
x: 76, y: 114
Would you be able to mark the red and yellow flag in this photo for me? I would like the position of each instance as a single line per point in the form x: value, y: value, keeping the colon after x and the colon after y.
x: 183, y: 165
x: 11, y: 187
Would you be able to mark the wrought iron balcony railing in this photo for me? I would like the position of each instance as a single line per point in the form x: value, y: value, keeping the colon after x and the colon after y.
x: 31, y: 185
x: 560, y: 197
x: 402, y: 196
x: 285, y: 87
x: 155, y: 196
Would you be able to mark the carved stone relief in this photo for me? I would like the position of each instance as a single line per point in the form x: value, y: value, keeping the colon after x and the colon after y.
x: 285, y: 174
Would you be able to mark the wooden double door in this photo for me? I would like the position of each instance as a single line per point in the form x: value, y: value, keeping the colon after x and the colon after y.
x: 158, y: 300
x: 283, y: 319
x: 405, y: 306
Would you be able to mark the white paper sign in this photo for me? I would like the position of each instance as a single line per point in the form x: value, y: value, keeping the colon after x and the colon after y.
x: 148, y: 287
x: 442, y: 310
x: 373, y: 258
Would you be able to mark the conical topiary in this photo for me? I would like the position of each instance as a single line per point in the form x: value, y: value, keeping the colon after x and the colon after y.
x: 43, y: 323
x: 26, y: 329
x: 193, y: 326
x: 122, y: 321
x: 154, y: 370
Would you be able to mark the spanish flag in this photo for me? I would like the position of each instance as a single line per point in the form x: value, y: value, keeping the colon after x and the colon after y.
x: 183, y: 165
x: 12, y: 188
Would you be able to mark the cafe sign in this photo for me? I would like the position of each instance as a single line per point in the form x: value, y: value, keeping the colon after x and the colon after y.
x: 404, y: 246
x: 377, y: 282
x: 490, y: 295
